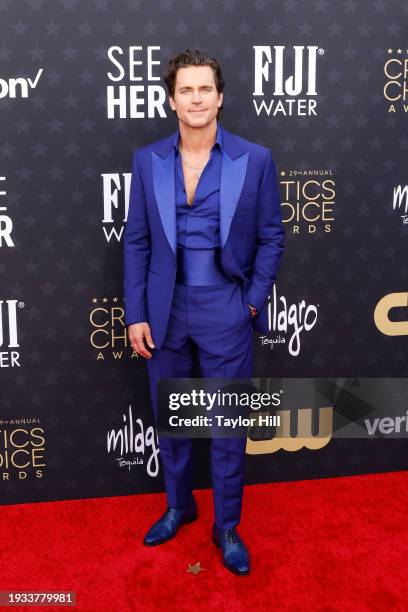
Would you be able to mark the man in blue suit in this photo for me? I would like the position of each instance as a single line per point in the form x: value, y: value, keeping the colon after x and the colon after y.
x: 202, y: 246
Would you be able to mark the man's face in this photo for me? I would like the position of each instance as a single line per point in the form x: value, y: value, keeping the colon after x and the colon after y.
x: 196, y: 99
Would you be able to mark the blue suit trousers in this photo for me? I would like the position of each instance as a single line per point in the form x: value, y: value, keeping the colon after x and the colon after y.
x: 215, y: 322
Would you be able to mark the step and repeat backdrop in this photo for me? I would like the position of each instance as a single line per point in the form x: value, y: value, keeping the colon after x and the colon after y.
x: 324, y: 85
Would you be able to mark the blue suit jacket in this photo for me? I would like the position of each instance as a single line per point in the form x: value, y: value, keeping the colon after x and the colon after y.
x: 251, y: 229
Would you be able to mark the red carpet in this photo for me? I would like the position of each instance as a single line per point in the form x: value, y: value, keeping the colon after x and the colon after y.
x: 329, y: 544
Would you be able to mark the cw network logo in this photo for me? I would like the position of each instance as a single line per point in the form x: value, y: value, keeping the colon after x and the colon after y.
x: 304, y: 438
x: 386, y: 305
x: 18, y: 87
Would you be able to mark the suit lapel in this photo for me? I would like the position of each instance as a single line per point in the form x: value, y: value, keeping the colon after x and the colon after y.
x: 233, y: 171
x: 164, y: 190
x: 232, y: 180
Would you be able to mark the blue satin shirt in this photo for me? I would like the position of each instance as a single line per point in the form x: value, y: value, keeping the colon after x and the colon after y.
x: 198, y: 225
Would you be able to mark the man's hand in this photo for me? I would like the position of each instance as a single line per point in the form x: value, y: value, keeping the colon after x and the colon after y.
x: 253, y: 310
x: 137, y: 333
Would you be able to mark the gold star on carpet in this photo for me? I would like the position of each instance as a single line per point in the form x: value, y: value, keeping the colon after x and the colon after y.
x: 195, y: 568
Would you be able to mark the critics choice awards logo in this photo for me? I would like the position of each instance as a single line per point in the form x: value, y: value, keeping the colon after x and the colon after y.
x: 22, y: 449
x: 308, y: 200
x: 108, y: 336
x: 396, y: 80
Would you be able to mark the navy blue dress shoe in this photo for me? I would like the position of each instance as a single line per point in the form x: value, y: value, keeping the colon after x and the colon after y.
x: 167, y: 526
x: 235, y: 554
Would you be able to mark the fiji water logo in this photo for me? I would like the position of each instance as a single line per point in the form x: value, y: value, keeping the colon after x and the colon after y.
x: 285, y: 93
x: 115, y: 204
x: 9, y: 328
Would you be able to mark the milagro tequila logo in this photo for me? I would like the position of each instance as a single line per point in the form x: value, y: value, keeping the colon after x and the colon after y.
x: 9, y: 342
x: 6, y: 224
x: 396, y: 80
x: 400, y: 201
x: 135, y: 444
x: 142, y: 99
x: 116, y: 190
x: 278, y: 91
x: 308, y: 199
x: 288, y: 322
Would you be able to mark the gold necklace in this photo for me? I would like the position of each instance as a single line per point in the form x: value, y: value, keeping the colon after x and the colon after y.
x: 201, y: 168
